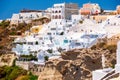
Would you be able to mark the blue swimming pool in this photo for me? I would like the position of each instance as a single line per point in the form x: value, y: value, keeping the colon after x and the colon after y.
x: 89, y: 36
x: 65, y: 41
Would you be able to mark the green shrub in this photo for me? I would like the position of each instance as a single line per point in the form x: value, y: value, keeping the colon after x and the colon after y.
x: 13, y: 33
x: 14, y: 74
x: 46, y: 58
x: 25, y: 78
x: 29, y: 57
x: 14, y: 62
x: 80, y: 21
x: 11, y: 73
x: 33, y: 77
x: 50, y: 51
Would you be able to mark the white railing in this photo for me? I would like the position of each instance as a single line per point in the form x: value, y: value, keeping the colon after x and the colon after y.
x: 111, y: 74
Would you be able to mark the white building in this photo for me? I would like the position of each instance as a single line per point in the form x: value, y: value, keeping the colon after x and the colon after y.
x: 117, y: 66
x: 64, y: 10
x: 54, y: 36
x: 61, y: 16
x: 27, y: 16
x: 112, y: 26
x: 63, y: 31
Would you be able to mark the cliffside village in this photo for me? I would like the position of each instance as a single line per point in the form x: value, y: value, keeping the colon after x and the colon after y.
x: 69, y: 27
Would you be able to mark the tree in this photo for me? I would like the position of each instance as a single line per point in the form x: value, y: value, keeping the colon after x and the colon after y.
x: 80, y: 21
x: 13, y: 33
x: 11, y: 73
x: 49, y: 50
x: 14, y: 62
x: 46, y: 58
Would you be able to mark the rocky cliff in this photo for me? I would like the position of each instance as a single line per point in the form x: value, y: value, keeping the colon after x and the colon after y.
x: 77, y: 64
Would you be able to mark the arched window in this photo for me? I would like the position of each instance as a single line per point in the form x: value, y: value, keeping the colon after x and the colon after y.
x: 56, y: 11
x: 90, y: 30
x: 59, y: 16
x: 56, y: 17
x: 59, y: 11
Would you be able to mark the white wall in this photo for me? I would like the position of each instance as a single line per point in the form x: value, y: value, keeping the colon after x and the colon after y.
x: 25, y: 17
x: 98, y: 74
x: 117, y: 66
x: 76, y: 18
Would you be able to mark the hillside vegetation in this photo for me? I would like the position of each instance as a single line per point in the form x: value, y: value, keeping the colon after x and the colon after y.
x: 15, y: 73
x: 7, y: 30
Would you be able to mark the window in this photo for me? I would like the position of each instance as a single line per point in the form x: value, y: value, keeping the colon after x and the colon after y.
x: 56, y: 17
x: 59, y: 16
x: 74, y: 19
x: 78, y: 44
x: 56, y: 11
x: 53, y: 28
x: 59, y: 11
x: 59, y: 29
x: 31, y: 16
x: 60, y: 6
x: 41, y: 38
x: 30, y: 43
x: 21, y: 17
x: 48, y: 33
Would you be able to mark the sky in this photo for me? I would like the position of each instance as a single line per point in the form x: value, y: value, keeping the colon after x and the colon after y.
x: 8, y: 7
